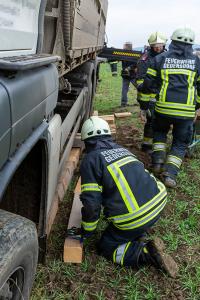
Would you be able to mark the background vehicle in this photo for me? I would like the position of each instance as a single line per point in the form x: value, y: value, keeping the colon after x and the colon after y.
x: 44, y: 98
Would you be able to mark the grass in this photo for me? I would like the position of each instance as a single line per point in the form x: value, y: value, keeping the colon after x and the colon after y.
x: 179, y: 227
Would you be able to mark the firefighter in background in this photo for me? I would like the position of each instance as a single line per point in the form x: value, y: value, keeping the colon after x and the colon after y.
x: 175, y: 75
x: 113, y: 67
x: 128, y: 74
x: 132, y: 200
x: 157, y: 42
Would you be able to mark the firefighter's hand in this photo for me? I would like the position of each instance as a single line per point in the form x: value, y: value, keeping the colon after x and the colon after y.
x: 197, y: 115
x: 143, y: 115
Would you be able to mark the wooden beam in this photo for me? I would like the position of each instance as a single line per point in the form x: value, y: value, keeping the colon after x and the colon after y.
x: 123, y: 115
x: 73, y: 249
x: 108, y: 118
x: 63, y: 183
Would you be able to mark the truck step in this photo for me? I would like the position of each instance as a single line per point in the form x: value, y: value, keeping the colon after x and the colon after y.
x: 25, y: 62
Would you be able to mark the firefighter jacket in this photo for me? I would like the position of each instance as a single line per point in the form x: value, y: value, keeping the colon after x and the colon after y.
x: 142, y: 67
x: 113, y: 178
x: 175, y: 75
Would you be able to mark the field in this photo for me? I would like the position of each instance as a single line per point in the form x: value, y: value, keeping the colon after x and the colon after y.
x: 179, y: 227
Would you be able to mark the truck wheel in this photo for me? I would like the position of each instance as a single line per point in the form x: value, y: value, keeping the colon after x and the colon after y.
x: 18, y: 256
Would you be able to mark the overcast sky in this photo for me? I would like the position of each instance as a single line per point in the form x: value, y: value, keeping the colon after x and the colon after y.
x: 135, y: 20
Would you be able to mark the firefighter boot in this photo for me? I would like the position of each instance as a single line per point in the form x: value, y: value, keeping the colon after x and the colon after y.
x: 168, y: 180
x: 161, y: 260
x: 157, y: 168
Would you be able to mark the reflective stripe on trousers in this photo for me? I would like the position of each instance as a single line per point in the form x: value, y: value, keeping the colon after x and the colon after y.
x: 174, y: 160
x: 119, y: 253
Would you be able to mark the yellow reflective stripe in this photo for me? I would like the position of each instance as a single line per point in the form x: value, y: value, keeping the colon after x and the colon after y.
x: 177, y: 161
x: 114, y: 255
x: 174, y: 112
x: 126, y: 160
x: 91, y: 187
x: 159, y: 146
x: 191, y: 89
x: 120, y: 252
x: 175, y: 105
x: 165, y: 83
x: 152, y: 72
x: 143, y: 209
x: 89, y: 226
x: 139, y: 81
x: 143, y: 97
x: 179, y: 71
x: 147, y: 140
x: 127, y: 246
x: 144, y: 220
x: 123, y: 187
x: 153, y: 96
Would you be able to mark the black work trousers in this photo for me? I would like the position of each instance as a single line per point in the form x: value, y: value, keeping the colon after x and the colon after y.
x: 126, y: 248
x: 181, y: 137
x: 148, y: 127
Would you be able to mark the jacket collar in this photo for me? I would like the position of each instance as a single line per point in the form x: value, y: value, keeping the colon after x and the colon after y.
x: 181, y: 49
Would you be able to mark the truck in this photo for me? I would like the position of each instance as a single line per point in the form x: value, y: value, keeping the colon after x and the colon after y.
x: 48, y: 75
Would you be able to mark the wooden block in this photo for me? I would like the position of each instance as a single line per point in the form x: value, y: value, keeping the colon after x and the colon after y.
x: 123, y: 115
x: 73, y: 249
x: 95, y: 113
x: 108, y: 118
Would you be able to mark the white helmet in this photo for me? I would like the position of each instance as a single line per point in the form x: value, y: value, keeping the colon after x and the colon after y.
x: 94, y: 126
x: 184, y: 35
x: 157, y: 38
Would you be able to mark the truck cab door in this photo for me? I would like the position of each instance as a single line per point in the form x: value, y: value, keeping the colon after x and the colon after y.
x: 5, y: 128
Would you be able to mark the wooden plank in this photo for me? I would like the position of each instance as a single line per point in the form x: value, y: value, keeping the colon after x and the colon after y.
x: 73, y: 249
x: 123, y: 115
x: 63, y: 183
x: 108, y: 118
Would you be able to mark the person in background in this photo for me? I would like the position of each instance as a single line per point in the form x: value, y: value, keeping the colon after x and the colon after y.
x: 175, y: 76
x: 157, y: 42
x: 132, y: 200
x: 113, y: 67
x: 128, y: 74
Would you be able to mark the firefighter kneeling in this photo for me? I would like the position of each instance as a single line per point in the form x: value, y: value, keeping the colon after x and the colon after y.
x: 132, y: 200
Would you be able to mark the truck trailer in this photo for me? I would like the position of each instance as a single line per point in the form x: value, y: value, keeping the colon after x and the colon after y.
x: 48, y: 68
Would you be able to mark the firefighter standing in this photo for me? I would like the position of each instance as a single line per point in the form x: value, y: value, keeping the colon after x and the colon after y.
x: 113, y: 67
x: 157, y: 42
x: 128, y: 74
x: 175, y: 75
x: 132, y: 199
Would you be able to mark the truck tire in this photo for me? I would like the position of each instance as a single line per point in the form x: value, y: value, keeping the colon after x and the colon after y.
x: 18, y: 256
